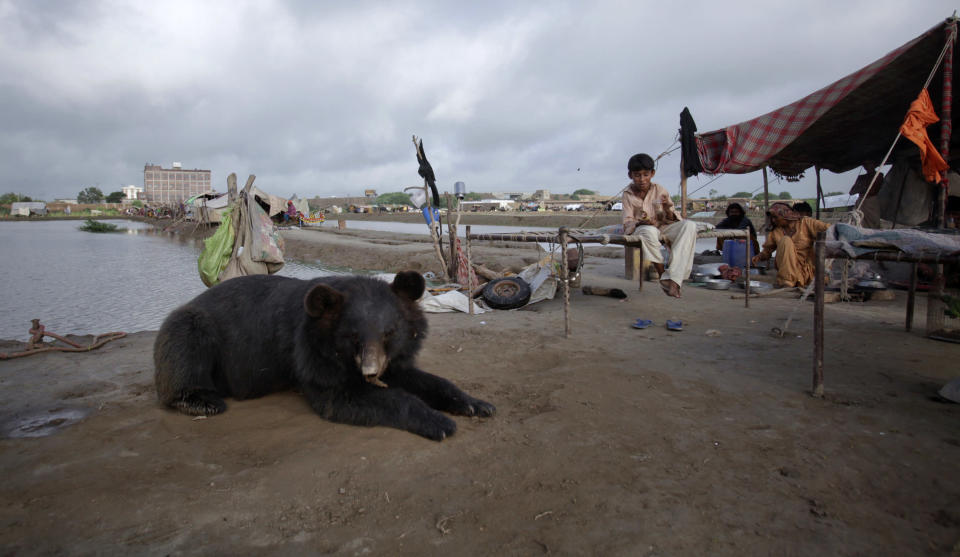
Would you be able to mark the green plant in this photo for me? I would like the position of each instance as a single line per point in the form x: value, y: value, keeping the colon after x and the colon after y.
x: 91, y: 225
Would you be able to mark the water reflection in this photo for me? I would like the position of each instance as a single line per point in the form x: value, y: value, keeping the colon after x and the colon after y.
x: 86, y: 283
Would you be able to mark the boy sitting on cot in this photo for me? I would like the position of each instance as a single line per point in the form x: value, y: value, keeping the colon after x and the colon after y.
x: 649, y: 213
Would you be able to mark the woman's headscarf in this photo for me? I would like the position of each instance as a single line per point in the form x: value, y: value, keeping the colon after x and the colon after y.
x: 783, y: 211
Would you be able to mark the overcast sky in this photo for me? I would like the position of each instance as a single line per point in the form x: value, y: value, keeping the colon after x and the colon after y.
x: 321, y: 98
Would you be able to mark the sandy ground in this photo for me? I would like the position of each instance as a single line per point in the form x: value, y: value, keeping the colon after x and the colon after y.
x: 615, y: 441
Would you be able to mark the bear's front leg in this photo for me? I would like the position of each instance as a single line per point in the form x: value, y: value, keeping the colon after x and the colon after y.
x: 370, y: 406
x: 438, y: 392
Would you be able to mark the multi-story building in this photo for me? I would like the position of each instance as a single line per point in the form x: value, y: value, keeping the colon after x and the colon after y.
x: 173, y: 185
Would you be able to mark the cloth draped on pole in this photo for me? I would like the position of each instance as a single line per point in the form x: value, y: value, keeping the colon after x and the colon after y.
x: 914, y: 128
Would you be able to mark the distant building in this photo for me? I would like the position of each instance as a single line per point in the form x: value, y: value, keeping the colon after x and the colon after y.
x: 173, y: 185
x: 132, y: 192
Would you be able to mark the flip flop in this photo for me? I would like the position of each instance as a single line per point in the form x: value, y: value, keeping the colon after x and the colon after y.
x: 674, y: 325
x: 641, y: 324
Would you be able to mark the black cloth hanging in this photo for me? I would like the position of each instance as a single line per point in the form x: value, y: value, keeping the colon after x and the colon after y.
x: 688, y: 144
x: 426, y: 172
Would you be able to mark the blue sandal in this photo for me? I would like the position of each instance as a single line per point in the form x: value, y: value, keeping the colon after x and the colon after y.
x: 641, y: 323
x: 674, y: 325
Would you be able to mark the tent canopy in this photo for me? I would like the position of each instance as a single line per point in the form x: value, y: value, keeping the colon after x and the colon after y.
x: 838, y: 127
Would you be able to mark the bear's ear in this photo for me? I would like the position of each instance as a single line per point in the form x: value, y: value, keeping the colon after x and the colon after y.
x: 409, y: 285
x: 323, y: 301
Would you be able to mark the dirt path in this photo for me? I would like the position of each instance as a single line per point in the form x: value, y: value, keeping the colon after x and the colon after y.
x: 614, y: 442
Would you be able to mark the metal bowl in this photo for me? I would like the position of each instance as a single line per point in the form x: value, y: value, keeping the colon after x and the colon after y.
x: 756, y: 285
x: 699, y: 277
x: 718, y: 284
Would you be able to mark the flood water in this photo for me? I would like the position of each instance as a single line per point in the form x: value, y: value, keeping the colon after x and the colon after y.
x: 85, y: 283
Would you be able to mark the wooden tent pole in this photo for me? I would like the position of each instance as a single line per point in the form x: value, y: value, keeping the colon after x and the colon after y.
x: 819, y: 192
x: 683, y: 188
x: 946, y: 105
x: 766, y: 192
x: 818, y: 277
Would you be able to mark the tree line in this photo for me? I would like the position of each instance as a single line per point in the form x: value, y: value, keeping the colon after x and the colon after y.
x: 90, y: 195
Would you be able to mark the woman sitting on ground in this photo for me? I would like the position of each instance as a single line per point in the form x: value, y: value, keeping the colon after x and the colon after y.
x: 792, y: 237
x: 737, y: 220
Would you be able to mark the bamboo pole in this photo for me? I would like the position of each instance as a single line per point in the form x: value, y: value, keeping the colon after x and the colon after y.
x: 469, y: 266
x: 565, y: 280
x: 818, y: 316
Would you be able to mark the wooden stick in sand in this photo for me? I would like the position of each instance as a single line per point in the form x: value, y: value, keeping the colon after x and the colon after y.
x: 469, y: 265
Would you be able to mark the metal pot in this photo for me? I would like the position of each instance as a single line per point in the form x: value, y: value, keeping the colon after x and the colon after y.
x: 718, y: 284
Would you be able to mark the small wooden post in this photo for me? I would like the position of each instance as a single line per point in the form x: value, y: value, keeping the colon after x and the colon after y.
x: 565, y: 281
x: 818, y: 316
x: 232, y: 188
x: 911, y: 296
x: 341, y: 224
x: 469, y: 268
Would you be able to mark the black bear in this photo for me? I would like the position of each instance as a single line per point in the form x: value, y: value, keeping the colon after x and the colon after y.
x: 347, y: 343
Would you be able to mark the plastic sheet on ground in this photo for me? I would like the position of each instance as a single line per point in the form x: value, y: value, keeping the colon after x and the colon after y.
x: 448, y: 302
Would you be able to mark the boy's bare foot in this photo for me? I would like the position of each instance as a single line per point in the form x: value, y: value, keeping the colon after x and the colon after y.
x: 670, y: 288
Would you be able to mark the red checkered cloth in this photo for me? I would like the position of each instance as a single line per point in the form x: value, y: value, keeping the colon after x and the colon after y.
x: 760, y: 142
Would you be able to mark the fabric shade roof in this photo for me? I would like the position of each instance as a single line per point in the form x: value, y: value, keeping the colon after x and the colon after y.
x: 837, y: 127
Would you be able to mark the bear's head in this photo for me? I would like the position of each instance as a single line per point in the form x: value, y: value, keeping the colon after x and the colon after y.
x: 369, y: 322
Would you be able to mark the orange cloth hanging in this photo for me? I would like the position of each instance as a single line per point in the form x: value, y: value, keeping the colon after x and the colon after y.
x: 914, y: 128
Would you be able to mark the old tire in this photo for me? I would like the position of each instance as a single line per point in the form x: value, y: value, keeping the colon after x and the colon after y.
x: 506, y: 293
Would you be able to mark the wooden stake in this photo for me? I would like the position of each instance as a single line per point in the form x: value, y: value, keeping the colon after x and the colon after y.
x: 818, y: 316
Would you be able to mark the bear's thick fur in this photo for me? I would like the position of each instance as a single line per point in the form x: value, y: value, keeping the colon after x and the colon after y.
x: 347, y: 343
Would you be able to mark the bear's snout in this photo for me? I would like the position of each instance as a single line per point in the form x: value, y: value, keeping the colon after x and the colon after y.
x: 372, y: 360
